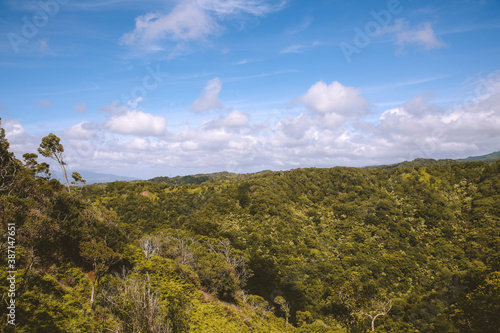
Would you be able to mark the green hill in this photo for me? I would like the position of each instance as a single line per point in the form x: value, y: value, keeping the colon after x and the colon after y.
x: 483, y: 158
x: 202, y: 178
x: 431, y: 162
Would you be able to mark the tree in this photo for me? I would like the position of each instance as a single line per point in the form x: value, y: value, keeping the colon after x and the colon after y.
x: 44, y: 168
x: 377, y: 307
x: 52, y: 148
x: 8, y: 165
x: 101, y: 257
x: 35, y: 167
x: 137, y: 306
x: 284, y: 307
x: 365, y: 302
x: 150, y: 245
x: 478, y: 312
x: 30, y: 161
x: 77, y: 178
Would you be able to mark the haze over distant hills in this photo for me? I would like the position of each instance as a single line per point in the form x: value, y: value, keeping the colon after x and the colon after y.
x: 94, y: 177
x: 201, y: 178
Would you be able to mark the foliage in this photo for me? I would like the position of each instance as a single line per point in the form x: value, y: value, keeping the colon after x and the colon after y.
x: 51, y: 147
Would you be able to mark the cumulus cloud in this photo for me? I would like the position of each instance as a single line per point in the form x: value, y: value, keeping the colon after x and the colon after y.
x: 139, y: 144
x: 20, y: 141
x: 137, y: 123
x: 334, y: 103
x: 235, y: 119
x: 192, y: 20
x: 296, y: 127
x: 422, y: 35
x: 419, y: 129
x: 13, y: 130
x: 209, y: 100
x: 83, y: 130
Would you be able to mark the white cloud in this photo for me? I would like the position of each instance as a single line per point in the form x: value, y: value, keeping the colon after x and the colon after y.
x: 420, y: 129
x: 81, y: 131
x: 235, y: 119
x: 299, y: 48
x: 192, y: 20
x: 233, y: 7
x: 137, y: 123
x: 295, y: 127
x: 187, y: 21
x: 139, y: 144
x: 335, y: 98
x: 209, y: 100
x: 13, y: 130
x: 20, y: 141
x: 422, y: 35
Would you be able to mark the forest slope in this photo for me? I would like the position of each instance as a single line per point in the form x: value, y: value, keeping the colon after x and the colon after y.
x: 338, y: 243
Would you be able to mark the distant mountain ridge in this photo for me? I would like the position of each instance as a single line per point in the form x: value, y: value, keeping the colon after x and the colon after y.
x: 484, y: 158
x: 492, y: 157
x: 224, y: 175
x: 205, y: 177
x: 93, y: 177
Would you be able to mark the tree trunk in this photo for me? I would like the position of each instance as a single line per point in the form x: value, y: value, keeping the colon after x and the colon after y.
x: 65, y: 175
x: 92, y: 295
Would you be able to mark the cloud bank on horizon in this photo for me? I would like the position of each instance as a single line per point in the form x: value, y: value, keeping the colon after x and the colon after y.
x: 182, y: 87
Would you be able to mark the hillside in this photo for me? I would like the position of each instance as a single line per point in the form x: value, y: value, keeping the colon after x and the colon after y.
x: 484, y: 158
x: 411, y: 248
x: 202, y: 178
x: 337, y: 243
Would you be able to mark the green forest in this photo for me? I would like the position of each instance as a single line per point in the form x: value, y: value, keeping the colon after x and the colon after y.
x: 411, y: 247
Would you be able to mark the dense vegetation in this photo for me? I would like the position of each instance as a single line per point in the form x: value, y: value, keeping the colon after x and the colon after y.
x: 407, y: 248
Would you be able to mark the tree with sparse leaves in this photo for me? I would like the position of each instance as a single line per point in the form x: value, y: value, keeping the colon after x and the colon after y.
x: 77, y: 179
x: 51, y: 147
x: 284, y: 307
x: 97, y: 253
x: 8, y: 165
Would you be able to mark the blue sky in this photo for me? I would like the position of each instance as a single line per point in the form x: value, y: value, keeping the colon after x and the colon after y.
x: 164, y: 88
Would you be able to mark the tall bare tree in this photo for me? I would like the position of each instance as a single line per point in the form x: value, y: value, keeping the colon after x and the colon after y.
x: 8, y: 167
x: 51, y: 147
